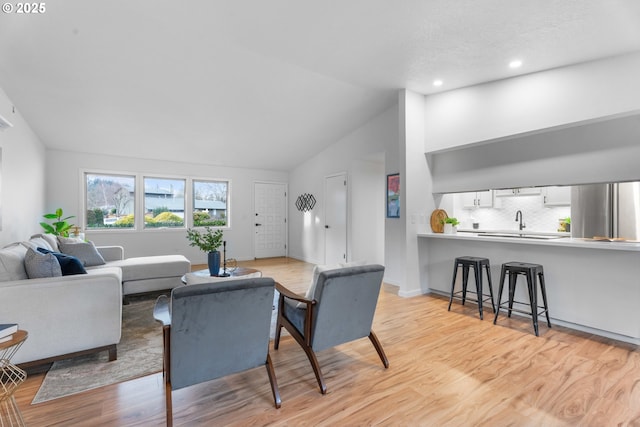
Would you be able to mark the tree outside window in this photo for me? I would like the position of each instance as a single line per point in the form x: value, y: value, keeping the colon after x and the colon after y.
x: 210, y: 203
x: 164, y: 202
x: 110, y: 201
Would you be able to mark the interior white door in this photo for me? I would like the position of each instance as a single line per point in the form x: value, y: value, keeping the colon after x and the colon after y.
x: 335, y: 219
x: 270, y: 226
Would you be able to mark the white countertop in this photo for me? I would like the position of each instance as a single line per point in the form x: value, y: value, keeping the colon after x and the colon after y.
x: 563, y: 241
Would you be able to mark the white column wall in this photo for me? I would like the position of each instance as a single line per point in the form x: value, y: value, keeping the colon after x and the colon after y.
x: 416, y: 201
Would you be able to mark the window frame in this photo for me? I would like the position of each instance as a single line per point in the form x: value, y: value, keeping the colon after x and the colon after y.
x: 143, y: 207
x: 139, y: 207
x: 85, y: 202
x: 227, y: 202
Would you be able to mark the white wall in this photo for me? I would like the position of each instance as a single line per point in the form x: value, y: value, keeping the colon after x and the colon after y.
x: 367, y: 187
x: 64, y: 179
x: 22, y: 185
x: 536, y: 101
x: 417, y: 201
x: 306, y: 230
x: 546, y: 128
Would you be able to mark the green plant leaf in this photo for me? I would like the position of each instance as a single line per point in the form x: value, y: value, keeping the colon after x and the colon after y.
x: 47, y: 228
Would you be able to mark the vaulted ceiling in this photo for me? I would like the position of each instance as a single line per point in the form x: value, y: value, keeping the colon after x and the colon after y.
x: 270, y: 83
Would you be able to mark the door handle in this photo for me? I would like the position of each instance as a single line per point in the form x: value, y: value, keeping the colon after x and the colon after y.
x: 258, y: 225
x: 326, y: 226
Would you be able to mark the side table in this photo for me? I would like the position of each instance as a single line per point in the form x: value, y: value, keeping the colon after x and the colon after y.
x: 10, y: 378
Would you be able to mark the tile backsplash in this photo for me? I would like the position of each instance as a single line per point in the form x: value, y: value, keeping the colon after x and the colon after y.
x: 502, y: 216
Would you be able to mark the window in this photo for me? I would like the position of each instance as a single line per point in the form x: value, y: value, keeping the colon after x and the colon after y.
x: 210, y: 207
x: 164, y: 203
x: 110, y: 201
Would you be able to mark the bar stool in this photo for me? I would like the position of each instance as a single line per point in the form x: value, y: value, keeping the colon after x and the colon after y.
x: 476, y: 263
x: 533, y: 273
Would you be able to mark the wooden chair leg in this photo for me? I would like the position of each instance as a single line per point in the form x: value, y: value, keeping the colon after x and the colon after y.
x: 113, y: 353
x: 276, y: 340
x: 378, y: 347
x: 309, y: 352
x: 167, y: 392
x: 316, y: 368
x: 274, y: 383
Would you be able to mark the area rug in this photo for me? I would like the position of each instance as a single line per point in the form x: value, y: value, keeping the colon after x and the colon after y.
x: 139, y: 354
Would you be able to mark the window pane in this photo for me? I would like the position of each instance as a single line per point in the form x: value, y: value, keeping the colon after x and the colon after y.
x: 210, y: 205
x: 163, y: 202
x: 110, y: 201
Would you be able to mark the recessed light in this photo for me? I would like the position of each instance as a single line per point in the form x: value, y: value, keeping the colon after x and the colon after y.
x: 516, y: 63
x: 437, y: 83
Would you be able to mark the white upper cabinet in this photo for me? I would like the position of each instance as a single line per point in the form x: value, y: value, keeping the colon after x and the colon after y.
x: 478, y: 199
x: 526, y: 191
x: 556, y: 196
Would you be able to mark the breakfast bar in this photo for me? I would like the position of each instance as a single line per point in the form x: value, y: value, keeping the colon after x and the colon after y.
x: 593, y: 286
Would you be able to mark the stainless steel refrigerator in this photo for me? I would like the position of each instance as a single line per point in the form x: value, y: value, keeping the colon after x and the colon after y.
x: 606, y: 210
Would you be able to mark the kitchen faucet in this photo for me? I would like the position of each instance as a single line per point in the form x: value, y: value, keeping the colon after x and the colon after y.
x: 519, y: 217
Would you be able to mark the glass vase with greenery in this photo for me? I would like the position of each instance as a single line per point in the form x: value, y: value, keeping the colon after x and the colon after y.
x: 208, y: 240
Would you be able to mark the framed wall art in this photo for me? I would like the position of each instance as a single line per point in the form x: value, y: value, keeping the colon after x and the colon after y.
x: 393, y: 195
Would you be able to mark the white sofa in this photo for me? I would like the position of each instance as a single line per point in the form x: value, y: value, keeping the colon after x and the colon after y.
x: 145, y: 274
x: 71, y: 315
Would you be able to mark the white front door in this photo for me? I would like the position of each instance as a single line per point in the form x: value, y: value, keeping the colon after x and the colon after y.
x: 270, y: 225
x: 335, y: 219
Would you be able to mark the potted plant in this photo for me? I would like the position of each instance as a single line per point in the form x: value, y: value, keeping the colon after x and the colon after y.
x: 59, y: 227
x: 208, y: 241
x: 450, y: 225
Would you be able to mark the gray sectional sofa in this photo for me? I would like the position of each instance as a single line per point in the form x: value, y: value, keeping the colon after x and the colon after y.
x: 76, y: 314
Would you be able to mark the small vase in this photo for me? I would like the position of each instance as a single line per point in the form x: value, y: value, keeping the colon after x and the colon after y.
x: 448, y: 229
x: 213, y: 259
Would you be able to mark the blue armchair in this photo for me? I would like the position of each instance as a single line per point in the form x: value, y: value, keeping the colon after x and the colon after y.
x: 215, y: 329
x: 340, y: 310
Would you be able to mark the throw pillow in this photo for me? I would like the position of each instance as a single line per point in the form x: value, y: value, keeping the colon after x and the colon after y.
x: 314, y: 279
x: 41, y: 265
x: 359, y: 263
x: 12, y: 263
x: 69, y: 265
x: 37, y: 242
x: 84, y: 251
x: 51, y: 240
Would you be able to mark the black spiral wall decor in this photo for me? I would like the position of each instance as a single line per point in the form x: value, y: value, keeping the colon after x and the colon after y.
x: 305, y: 202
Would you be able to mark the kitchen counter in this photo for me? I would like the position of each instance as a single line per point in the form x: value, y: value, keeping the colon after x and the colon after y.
x: 591, y: 286
x: 558, y: 239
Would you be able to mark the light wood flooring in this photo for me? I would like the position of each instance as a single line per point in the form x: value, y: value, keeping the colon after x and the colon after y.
x: 446, y: 369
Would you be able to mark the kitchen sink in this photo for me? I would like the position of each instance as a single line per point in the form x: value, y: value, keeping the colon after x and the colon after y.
x: 523, y: 236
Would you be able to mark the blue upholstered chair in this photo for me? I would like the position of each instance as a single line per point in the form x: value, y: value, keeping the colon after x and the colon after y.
x: 339, y: 309
x: 215, y: 329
